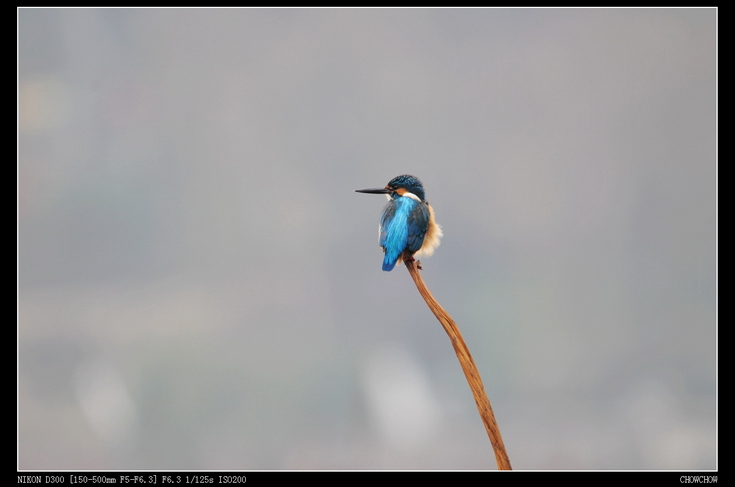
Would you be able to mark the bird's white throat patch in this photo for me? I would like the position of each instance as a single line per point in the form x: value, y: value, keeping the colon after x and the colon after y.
x: 407, y: 194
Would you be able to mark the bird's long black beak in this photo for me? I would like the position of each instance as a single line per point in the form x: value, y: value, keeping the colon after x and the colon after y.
x: 373, y: 191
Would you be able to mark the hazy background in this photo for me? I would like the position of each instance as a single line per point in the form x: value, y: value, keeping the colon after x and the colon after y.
x: 199, y: 286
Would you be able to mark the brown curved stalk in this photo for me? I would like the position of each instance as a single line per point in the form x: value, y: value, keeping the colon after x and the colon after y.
x: 468, y: 366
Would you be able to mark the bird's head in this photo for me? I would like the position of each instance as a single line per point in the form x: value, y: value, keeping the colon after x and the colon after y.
x: 403, y: 185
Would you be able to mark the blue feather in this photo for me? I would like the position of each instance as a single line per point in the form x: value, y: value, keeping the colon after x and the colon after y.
x: 402, y: 228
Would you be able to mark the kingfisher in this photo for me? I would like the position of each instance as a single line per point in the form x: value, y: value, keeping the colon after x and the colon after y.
x: 407, y: 226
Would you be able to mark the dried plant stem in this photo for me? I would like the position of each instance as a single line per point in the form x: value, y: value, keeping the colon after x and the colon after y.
x: 468, y: 366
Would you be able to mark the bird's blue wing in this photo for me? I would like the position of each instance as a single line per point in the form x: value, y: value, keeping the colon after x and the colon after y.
x: 418, y: 222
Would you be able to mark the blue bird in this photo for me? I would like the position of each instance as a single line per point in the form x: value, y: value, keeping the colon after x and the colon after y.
x: 407, y: 226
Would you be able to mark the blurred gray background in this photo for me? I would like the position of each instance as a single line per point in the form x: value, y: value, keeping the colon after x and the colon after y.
x: 200, y: 288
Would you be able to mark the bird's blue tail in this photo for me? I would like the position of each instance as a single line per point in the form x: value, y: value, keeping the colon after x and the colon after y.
x: 389, y: 261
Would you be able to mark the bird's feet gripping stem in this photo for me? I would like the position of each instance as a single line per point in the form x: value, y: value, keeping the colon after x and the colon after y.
x: 409, y: 258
